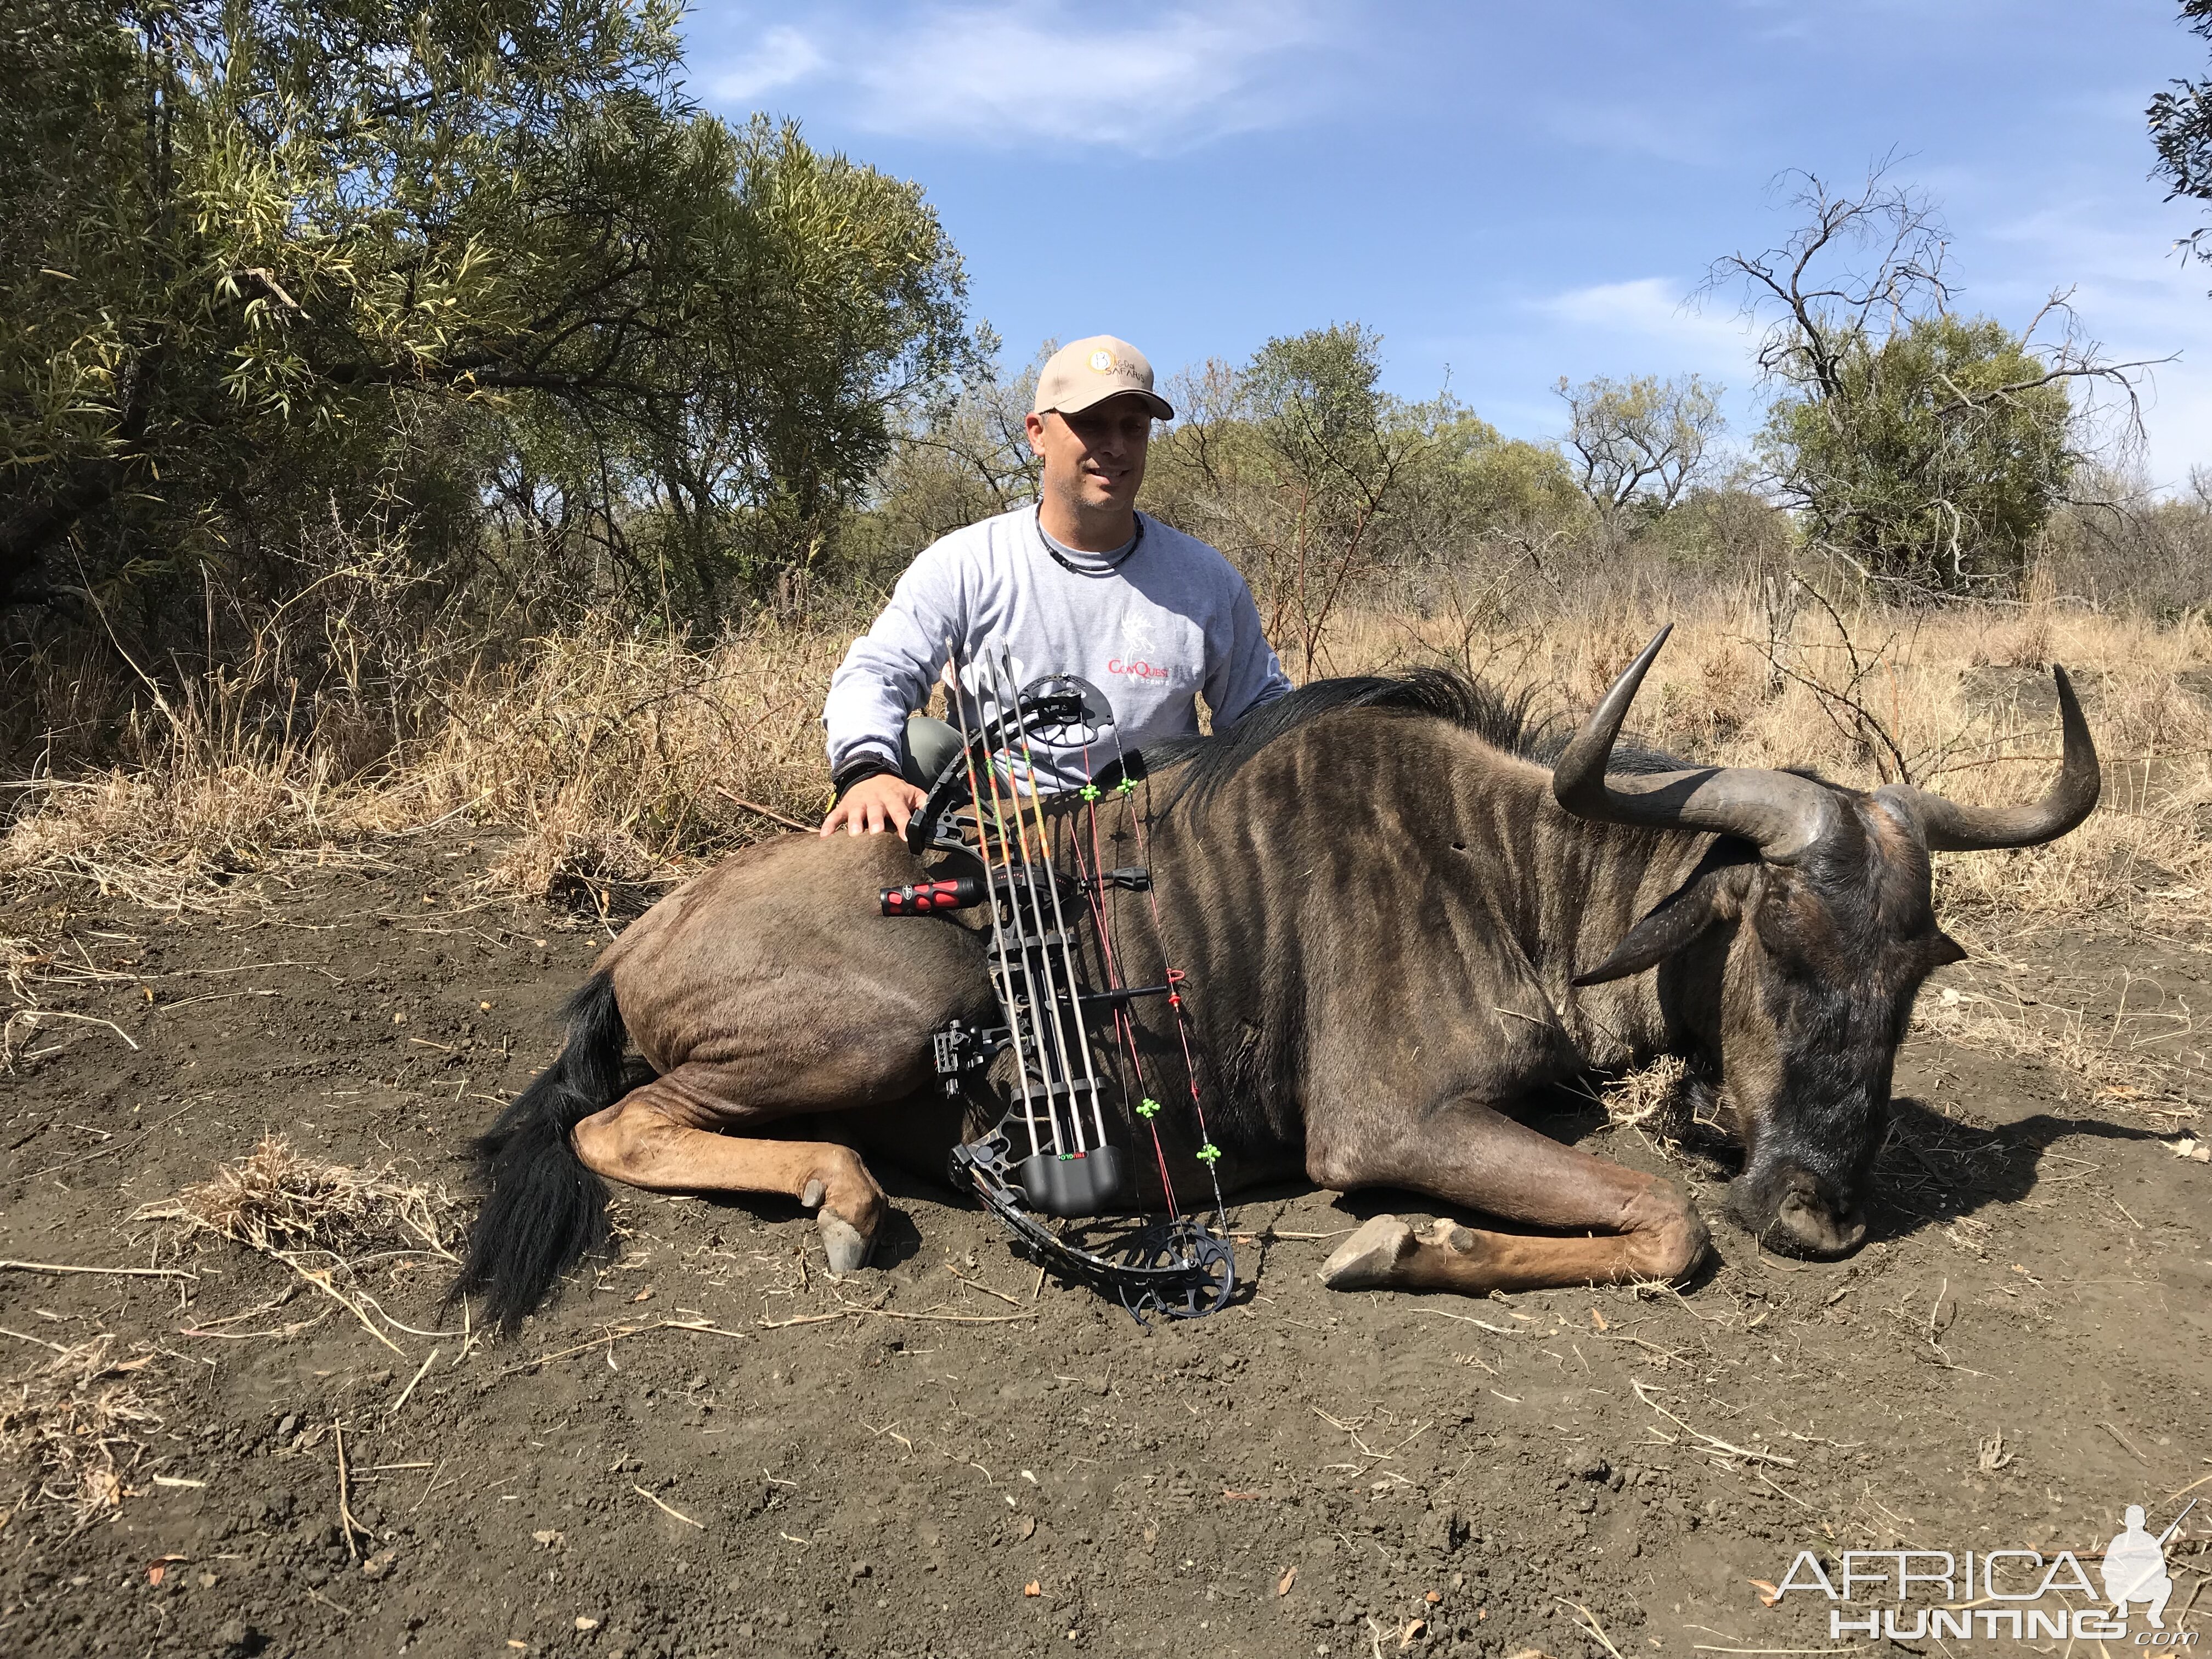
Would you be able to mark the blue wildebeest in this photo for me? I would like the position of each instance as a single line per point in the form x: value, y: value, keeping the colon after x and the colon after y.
x: 1403, y: 913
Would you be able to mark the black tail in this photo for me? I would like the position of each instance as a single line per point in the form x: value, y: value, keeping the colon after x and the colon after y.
x: 542, y: 1210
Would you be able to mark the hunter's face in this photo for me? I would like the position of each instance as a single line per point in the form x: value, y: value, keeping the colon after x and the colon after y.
x: 1096, y: 456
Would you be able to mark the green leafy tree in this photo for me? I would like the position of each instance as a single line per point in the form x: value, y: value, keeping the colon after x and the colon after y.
x: 1935, y: 453
x: 965, y: 457
x: 1917, y: 446
x: 1312, y: 478
x: 1640, y: 442
x: 2181, y: 130
x: 1468, y: 483
x: 266, y: 259
x: 1289, y: 464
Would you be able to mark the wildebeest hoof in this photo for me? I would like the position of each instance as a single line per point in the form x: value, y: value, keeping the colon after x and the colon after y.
x: 1371, y: 1257
x: 846, y: 1245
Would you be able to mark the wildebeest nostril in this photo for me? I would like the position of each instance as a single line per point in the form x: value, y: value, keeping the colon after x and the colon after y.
x: 1813, y: 1227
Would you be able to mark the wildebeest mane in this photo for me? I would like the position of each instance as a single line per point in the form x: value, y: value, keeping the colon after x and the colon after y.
x: 1514, y: 722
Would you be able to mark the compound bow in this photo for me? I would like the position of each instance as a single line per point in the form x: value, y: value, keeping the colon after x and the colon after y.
x: 1049, y: 1154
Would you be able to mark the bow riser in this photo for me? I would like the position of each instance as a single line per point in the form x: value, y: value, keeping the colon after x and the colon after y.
x: 1049, y: 1154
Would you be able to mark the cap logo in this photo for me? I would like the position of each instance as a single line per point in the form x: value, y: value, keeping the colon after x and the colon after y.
x: 1101, y: 361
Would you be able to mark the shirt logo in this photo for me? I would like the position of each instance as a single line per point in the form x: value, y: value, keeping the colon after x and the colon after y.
x: 1140, y: 671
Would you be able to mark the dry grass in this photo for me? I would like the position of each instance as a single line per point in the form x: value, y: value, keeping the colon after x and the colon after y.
x: 610, y: 757
x: 1651, y: 1098
x: 613, y: 756
x: 70, y: 1428
x: 620, y: 761
x: 2140, y: 1049
x: 20, y: 960
x: 276, y: 1201
x: 326, y: 1222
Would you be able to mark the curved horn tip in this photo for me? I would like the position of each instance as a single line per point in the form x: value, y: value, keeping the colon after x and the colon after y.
x: 1630, y: 680
x: 2072, y: 796
x: 1647, y: 656
x: 2075, y: 725
x: 1578, y: 774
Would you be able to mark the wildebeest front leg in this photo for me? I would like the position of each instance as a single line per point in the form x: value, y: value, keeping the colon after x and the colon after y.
x: 1476, y: 1155
x: 665, y: 1137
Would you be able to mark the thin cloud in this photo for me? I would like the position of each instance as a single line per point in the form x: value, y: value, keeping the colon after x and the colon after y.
x: 1653, y: 308
x: 783, y: 58
x: 1002, y: 75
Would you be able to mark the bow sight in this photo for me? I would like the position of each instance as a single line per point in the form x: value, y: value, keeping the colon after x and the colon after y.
x: 1050, y: 1155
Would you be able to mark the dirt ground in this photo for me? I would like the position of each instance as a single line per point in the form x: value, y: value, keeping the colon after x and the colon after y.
x: 708, y: 1447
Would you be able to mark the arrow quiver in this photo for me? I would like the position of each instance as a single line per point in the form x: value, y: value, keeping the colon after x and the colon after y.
x: 1066, y: 1026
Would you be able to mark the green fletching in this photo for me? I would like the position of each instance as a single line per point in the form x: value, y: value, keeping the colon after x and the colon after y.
x: 1148, y: 1108
x: 1125, y: 787
x: 1209, y: 1153
x: 1090, y: 792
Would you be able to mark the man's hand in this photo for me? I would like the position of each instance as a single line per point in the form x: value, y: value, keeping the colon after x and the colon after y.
x: 875, y: 804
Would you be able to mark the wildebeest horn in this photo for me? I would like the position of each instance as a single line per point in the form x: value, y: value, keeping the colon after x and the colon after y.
x: 2072, y: 797
x: 1783, y: 813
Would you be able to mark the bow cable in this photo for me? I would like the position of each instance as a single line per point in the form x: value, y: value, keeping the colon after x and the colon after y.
x: 1125, y: 1022
x: 1208, y: 1153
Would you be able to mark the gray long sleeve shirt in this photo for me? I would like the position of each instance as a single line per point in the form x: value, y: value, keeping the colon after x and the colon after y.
x: 1152, y: 627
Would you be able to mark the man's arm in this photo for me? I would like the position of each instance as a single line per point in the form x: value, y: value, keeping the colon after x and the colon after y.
x: 1242, y: 671
x: 885, y: 675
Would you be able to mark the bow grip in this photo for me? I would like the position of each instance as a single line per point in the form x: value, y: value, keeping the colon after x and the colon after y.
x: 927, y: 898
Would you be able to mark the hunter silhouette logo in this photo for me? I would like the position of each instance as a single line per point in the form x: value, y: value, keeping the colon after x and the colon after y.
x: 2134, y: 1567
x: 1963, y: 1596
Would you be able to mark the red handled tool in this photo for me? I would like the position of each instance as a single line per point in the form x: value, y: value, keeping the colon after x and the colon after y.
x: 923, y: 898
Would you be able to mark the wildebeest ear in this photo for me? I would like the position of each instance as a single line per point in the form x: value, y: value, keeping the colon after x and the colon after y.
x: 1946, y: 952
x: 1673, y: 923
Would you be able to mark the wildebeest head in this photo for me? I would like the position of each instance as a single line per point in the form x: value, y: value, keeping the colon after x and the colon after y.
x: 1803, y: 938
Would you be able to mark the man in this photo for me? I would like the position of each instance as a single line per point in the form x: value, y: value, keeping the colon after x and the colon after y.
x: 1081, y: 583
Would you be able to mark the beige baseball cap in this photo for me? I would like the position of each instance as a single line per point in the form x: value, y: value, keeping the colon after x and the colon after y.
x: 1091, y: 371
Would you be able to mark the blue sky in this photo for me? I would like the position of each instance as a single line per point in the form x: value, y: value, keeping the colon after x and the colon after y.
x: 1511, y: 193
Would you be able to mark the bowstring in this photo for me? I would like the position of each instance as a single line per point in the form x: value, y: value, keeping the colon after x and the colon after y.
x: 1124, y: 1020
x: 1208, y: 1153
x: 1124, y: 1024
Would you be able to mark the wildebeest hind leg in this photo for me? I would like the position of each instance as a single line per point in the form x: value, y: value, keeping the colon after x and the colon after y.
x: 665, y: 1137
x: 1475, y: 1156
